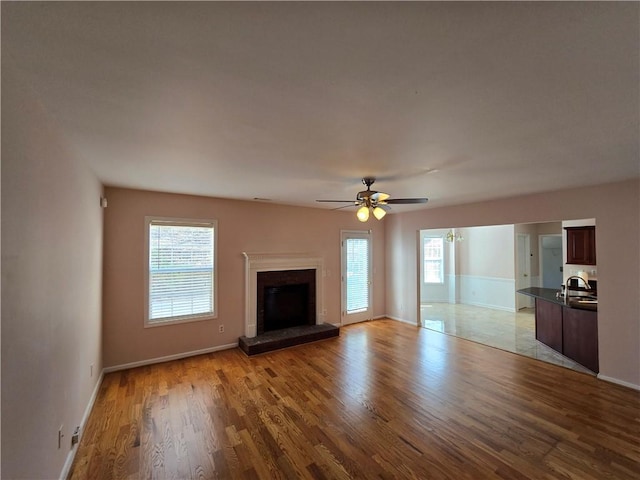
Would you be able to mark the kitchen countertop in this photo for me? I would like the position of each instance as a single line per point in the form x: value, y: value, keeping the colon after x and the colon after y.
x: 549, y: 295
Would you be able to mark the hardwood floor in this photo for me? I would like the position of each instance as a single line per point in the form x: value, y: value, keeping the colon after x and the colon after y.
x: 383, y: 400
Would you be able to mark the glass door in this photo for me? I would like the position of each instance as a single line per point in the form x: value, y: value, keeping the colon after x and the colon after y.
x: 356, y: 277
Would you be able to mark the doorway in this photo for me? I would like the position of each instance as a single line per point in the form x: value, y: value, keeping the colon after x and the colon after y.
x: 356, y: 276
x: 550, y: 261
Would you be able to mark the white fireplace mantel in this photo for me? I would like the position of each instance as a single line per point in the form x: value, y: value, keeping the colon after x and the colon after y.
x: 269, y: 262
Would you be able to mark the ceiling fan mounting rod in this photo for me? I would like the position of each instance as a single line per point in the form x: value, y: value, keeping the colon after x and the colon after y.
x: 368, y: 181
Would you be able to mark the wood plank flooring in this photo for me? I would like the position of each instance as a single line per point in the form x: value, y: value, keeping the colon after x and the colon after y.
x: 383, y: 400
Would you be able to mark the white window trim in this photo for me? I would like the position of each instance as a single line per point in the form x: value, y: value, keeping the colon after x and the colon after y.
x: 187, y: 318
x: 424, y: 260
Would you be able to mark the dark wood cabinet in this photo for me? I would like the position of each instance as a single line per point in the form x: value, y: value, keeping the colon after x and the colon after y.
x: 570, y: 331
x: 581, y: 245
x: 580, y: 337
x: 549, y: 324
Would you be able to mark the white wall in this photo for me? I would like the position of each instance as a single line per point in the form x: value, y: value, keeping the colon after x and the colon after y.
x: 485, y: 274
x: 615, y: 208
x: 479, y: 270
x: 485, y: 267
x: 51, y: 287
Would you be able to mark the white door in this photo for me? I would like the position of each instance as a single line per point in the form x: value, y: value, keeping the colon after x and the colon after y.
x: 523, y: 252
x: 356, y: 277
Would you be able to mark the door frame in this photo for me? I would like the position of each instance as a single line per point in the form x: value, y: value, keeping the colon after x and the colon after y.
x: 523, y: 301
x: 345, y: 318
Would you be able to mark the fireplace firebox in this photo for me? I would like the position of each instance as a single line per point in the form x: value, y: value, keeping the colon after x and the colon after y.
x: 285, y: 298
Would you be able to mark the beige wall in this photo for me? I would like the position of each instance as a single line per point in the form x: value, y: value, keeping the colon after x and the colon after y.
x: 51, y: 287
x: 242, y: 226
x: 550, y: 228
x: 616, y: 210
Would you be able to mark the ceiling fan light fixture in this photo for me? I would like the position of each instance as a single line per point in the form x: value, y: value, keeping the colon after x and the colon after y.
x: 363, y: 213
x: 379, y: 213
x: 369, y: 201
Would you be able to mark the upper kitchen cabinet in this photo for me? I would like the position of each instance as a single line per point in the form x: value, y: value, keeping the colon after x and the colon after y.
x: 581, y: 245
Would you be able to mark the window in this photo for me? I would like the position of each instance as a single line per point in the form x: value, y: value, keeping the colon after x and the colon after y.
x: 357, y: 250
x: 433, y: 260
x: 180, y: 279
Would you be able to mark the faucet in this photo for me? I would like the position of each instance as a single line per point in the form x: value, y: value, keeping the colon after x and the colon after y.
x: 566, y: 285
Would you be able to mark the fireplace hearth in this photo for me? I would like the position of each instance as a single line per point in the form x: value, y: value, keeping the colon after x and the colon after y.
x: 287, y: 337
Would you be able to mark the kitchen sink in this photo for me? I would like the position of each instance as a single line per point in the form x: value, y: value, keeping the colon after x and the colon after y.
x: 586, y: 303
x: 583, y: 298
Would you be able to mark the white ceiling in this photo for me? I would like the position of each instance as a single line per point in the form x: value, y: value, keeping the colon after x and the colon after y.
x: 294, y: 102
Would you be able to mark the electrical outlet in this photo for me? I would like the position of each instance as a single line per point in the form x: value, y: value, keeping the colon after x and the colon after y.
x: 60, y: 436
x: 75, y: 438
x: 221, y: 329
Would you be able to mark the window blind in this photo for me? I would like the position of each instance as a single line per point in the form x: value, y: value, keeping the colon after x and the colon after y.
x: 357, y: 250
x: 181, y: 270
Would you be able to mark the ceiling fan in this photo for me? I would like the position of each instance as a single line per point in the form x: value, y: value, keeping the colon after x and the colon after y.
x: 371, y: 201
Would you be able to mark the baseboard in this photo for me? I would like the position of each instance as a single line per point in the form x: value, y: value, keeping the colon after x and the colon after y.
x: 402, y: 320
x: 169, y: 358
x: 618, y: 382
x: 87, y: 411
x: 92, y: 400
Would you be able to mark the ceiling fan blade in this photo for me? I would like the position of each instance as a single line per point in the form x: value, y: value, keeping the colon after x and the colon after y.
x: 379, y: 197
x: 335, y: 201
x: 345, y: 206
x: 406, y: 201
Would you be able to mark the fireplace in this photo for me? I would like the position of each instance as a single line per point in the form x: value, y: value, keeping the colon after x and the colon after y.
x: 285, y: 298
x: 283, y: 302
x: 274, y: 271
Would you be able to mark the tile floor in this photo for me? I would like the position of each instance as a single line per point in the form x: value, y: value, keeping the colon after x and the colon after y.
x: 514, y: 332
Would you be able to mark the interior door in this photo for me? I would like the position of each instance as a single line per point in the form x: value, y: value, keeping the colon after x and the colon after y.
x: 550, y: 261
x: 356, y: 276
x: 523, y: 249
